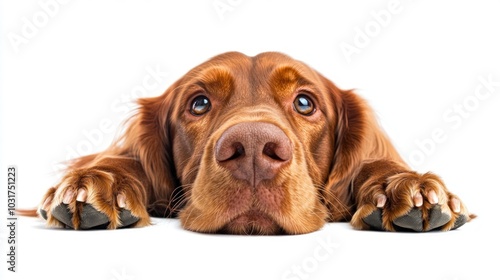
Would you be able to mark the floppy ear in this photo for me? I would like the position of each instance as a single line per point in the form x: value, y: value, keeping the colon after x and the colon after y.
x: 351, y: 124
x: 147, y: 138
x: 357, y: 139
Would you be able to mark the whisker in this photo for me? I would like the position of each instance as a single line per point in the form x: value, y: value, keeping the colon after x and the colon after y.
x: 337, y: 204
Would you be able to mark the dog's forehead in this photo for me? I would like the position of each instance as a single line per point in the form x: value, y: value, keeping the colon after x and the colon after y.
x: 235, y: 70
x: 263, y: 64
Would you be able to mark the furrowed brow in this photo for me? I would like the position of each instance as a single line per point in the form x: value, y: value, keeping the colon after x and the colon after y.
x: 216, y: 80
x: 286, y: 79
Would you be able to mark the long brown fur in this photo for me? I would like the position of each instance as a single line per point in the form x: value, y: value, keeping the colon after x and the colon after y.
x: 164, y: 164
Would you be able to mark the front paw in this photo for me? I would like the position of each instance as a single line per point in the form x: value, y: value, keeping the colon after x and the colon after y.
x: 410, y: 202
x: 93, y: 199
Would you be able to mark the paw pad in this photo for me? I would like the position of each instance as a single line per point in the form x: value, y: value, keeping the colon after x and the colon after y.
x: 90, y: 218
x: 414, y: 221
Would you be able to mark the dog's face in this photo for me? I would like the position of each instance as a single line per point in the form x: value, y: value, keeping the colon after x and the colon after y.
x: 251, y: 141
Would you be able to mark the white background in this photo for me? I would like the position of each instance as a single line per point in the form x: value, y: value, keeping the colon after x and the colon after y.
x: 70, y: 71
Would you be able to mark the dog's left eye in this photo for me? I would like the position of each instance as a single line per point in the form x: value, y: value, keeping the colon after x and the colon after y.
x: 201, y: 105
x: 304, y: 105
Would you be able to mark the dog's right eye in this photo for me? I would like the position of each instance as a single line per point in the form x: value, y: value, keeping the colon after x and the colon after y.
x: 201, y: 105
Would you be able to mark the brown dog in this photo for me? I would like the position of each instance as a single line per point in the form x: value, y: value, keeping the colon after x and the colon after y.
x: 252, y: 145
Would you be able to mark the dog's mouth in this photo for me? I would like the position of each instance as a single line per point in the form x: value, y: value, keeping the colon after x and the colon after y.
x: 253, y: 222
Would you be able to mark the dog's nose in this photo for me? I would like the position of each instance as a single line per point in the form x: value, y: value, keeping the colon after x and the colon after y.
x: 253, y: 151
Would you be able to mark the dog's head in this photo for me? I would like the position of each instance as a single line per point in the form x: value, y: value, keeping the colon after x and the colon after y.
x: 257, y: 145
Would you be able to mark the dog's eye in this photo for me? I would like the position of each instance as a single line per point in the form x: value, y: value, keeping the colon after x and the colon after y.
x: 201, y: 105
x: 304, y: 105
